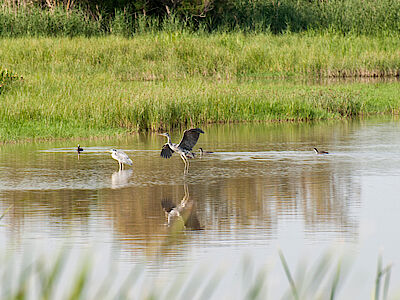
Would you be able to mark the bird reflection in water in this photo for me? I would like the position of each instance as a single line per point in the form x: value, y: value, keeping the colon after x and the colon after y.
x: 182, y: 215
x: 120, y: 178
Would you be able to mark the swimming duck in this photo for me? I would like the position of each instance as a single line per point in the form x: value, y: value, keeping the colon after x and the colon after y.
x: 320, y: 152
x: 202, y: 152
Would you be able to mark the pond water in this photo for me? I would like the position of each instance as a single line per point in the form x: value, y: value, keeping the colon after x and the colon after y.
x: 262, y: 189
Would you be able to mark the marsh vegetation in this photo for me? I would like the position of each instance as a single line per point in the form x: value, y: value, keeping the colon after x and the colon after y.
x: 103, y: 68
x: 108, y: 85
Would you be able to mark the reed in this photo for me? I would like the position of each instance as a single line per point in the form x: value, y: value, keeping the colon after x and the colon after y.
x: 58, y: 18
x: 66, y: 273
x: 5, y: 212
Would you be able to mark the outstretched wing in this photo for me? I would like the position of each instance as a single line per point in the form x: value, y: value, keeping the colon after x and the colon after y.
x: 190, y: 138
x: 166, y: 151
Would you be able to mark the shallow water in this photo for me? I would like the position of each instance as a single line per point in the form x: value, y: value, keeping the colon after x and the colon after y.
x: 262, y: 188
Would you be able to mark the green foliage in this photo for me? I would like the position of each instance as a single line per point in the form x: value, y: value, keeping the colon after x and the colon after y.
x: 127, y: 18
x: 34, y: 21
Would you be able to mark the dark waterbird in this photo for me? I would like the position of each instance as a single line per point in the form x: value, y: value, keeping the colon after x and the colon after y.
x: 184, y: 148
x: 320, y: 152
x: 79, y: 149
x: 203, y: 152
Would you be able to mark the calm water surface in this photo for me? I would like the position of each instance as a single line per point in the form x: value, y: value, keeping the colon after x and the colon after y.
x: 262, y: 188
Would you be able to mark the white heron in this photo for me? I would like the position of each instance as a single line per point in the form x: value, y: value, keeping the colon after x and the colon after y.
x: 121, y: 157
x: 184, y: 148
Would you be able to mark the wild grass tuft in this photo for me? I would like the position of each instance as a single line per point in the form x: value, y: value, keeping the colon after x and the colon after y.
x: 382, y: 273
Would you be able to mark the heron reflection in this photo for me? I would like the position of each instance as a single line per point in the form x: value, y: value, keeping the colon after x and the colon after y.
x: 182, y: 215
x: 120, y: 178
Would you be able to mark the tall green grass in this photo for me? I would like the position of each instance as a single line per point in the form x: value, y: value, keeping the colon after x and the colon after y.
x: 34, y: 21
x: 85, y: 87
x: 366, y: 17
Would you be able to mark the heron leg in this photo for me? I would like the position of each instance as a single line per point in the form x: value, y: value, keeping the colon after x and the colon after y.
x: 184, y: 161
x: 186, y: 189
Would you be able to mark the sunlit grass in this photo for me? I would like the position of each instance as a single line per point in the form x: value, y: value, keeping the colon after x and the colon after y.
x: 102, y: 86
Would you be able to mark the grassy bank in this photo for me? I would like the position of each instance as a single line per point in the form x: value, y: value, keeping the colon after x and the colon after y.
x: 108, y: 85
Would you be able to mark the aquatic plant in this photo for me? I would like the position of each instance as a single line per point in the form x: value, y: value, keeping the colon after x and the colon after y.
x: 69, y: 274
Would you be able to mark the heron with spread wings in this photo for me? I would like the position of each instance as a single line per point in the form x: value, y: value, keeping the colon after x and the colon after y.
x: 184, y: 148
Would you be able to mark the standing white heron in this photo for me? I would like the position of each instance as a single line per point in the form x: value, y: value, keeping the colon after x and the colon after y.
x: 184, y: 148
x: 121, y: 157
